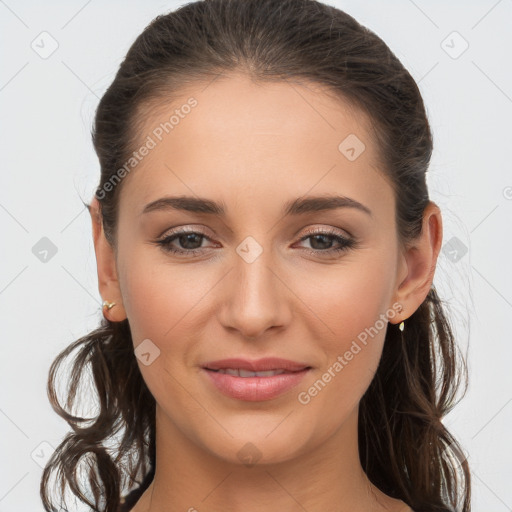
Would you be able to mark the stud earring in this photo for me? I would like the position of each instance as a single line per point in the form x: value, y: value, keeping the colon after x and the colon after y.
x: 402, y: 323
x: 108, y: 305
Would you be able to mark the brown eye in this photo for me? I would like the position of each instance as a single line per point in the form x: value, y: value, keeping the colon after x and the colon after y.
x: 188, y: 242
x: 321, y: 242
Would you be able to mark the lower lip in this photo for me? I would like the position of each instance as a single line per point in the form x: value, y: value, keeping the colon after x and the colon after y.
x: 255, y: 389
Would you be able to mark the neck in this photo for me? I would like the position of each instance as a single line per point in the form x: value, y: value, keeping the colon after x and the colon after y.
x: 328, y: 477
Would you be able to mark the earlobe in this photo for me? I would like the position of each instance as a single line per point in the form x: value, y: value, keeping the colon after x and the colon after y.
x: 108, y: 283
x: 421, y: 260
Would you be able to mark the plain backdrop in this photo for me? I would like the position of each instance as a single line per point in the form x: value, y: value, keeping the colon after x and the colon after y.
x: 458, y: 52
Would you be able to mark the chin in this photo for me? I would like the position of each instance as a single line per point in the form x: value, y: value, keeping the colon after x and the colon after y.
x: 260, y: 442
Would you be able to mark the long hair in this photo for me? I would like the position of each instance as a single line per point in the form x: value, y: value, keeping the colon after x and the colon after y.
x: 405, y: 449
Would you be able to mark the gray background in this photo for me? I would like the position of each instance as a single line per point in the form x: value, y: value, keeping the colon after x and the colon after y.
x: 50, y: 299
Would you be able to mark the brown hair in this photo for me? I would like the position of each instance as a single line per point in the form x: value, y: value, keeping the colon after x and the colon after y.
x: 405, y: 449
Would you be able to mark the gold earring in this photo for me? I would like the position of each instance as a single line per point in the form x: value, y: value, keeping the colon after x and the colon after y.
x: 402, y: 324
x: 108, y: 305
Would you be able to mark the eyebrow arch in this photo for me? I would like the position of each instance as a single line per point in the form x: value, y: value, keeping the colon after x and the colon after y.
x: 298, y: 206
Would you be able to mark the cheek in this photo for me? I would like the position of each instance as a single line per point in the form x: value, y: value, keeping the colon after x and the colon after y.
x: 160, y: 299
x: 351, y: 304
x: 166, y: 304
x: 349, y: 300
x: 162, y: 306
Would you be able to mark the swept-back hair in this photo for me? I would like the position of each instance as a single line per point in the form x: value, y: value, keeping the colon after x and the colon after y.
x: 405, y: 449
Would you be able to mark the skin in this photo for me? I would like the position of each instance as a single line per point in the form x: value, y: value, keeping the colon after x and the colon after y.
x: 254, y: 147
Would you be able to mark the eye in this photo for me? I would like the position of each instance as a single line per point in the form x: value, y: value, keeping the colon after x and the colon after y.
x: 321, y: 242
x: 191, y: 242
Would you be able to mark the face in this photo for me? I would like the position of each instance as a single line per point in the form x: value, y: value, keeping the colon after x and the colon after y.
x: 315, y: 286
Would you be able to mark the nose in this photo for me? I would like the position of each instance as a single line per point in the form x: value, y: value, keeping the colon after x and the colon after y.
x: 255, y: 298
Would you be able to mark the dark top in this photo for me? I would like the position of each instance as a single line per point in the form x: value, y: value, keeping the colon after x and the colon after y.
x: 128, y: 501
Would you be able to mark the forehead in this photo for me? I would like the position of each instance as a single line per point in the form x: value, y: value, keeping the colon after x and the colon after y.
x: 245, y: 139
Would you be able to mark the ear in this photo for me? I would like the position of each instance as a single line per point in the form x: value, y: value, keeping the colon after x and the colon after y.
x: 419, y: 263
x: 108, y: 283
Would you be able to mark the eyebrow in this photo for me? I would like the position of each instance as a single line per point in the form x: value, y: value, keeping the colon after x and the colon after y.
x: 298, y: 206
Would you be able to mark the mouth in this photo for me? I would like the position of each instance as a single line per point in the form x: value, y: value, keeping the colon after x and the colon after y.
x: 256, y: 366
x: 255, y: 380
x: 240, y: 372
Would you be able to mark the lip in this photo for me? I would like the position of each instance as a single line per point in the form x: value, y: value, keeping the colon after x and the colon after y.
x: 255, y: 389
x: 258, y: 365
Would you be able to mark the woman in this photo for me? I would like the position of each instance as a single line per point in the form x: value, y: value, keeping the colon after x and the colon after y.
x: 266, y: 249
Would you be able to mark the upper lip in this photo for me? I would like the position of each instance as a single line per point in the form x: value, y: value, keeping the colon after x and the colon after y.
x: 258, y: 365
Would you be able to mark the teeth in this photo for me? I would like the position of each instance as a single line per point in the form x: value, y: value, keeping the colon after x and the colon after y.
x: 238, y: 372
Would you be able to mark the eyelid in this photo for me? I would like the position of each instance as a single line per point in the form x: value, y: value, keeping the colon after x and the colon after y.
x: 188, y: 228
x: 328, y: 230
x: 346, y: 243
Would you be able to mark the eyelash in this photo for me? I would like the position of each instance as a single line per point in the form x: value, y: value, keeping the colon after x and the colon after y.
x: 345, y: 243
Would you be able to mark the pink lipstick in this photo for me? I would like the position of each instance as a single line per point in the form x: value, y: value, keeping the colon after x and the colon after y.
x: 255, y: 380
